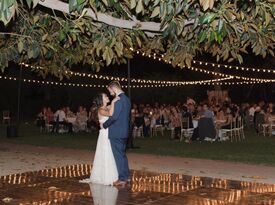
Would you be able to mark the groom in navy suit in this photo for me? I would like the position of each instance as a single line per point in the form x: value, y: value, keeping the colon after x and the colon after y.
x: 118, y: 125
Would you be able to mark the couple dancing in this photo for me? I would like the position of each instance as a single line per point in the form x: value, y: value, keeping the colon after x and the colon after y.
x: 110, y: 166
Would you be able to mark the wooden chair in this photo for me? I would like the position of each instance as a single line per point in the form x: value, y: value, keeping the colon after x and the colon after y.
x: 6, y: 117
x: 186, y: 131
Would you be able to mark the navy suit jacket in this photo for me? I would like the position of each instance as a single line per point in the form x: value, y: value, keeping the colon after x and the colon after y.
x: 118, y: 123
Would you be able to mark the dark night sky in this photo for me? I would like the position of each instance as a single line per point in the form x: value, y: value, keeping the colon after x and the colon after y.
x: 35, y: 96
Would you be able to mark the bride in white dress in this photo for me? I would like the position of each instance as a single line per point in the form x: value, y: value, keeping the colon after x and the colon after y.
x: 104, y: 169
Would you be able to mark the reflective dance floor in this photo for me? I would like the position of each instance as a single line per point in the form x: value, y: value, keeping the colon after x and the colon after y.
x: 61, y: 186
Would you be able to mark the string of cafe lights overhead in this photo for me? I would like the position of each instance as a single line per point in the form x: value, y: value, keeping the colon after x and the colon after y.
x: 224, y: 77
x: 258, y: 70
x: 121, y: 79
x: 155, y: 56
x: 160, y: 58
x: 54, y: 83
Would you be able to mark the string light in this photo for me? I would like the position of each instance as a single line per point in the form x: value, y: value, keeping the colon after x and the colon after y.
x: 221, y: 74
x: 258, y: 70
x: 205, y: 82
x: 139, y: 81
x: 264, y: 70
x: 175, y: 83
x: 121, y: 79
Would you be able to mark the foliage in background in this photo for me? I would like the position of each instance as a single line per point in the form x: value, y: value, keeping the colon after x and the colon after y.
x: 97, y: 32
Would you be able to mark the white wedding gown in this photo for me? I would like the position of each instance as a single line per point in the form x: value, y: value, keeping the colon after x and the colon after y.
x: 104, y: 170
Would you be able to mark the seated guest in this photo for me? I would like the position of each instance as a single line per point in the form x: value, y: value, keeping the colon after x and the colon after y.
x: 190, y: 101
x: 49, y: 116
x: 271, y: 108
x: 207, y: 113
x: 268, y: 116
x: 69, y: 113
x: 175, y: 118
x: 81, y: 119
x: 158, y: 118
x: 155, y: 119
x: 229, y: 123
x: 198, y: 112
x: 258, y: 118
x: 139, y: 120
x: 138, y: 124
x: 147, y: 123
x: 219, y: 113
x: 187, y: 114
x: 60, y: 119
x: 41, y: 118
x: 206, y: 126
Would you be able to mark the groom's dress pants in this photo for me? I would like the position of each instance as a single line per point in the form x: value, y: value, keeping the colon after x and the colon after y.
x: 118, y: 148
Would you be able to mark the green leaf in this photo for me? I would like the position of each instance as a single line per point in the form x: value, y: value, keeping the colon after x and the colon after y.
x: 138, y: 41
x: 209, y: 18
x: 105, y: 2
x: 146, y: 2
x: 29, y: 2
x: 212, y: 36
x: 267, y: 18
x: 61, y: 36
x: 79, y: 2
x: 30, y: 53
x: 202, y: 36
x: 156, y: 2
x: 44, y: 37
x: 240, y: 58
x: 35, y: 2
x: 35, y: 19
x: 133, y: 4
x: 20, y: 46
x: 6, y: 15
x: 220, y: 25
x: 207, y: 4
x: 155, y: 12
x: 139, y: 7
x: 72, y: 5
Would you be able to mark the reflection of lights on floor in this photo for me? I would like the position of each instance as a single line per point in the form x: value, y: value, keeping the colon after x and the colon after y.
x: 60, y: 185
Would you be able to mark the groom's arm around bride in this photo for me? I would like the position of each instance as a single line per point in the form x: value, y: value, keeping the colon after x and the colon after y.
x: 114, y: 117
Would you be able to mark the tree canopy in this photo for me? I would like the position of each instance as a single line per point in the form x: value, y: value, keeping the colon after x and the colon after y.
x: 57, y: 34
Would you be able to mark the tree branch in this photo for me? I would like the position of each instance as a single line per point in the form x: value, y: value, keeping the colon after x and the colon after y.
x: 152, y: 27
x: 15, y: 34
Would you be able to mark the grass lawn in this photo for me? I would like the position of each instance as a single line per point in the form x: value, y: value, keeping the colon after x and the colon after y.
x: 255, y: 149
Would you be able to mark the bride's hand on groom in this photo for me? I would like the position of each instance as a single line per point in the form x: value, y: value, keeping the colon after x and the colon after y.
x: 115, y: 99
x: 101, y: 126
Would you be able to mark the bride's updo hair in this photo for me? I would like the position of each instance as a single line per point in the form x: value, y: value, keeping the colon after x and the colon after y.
x: 98, y: 100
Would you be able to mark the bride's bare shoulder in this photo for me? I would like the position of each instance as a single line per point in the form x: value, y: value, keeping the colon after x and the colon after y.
x: 103, y: 111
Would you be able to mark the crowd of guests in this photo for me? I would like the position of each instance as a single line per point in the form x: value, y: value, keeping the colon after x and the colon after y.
x: 147, y: 116
x: 170, y: 116
x: 223, y: 115
x: 65, y: 119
